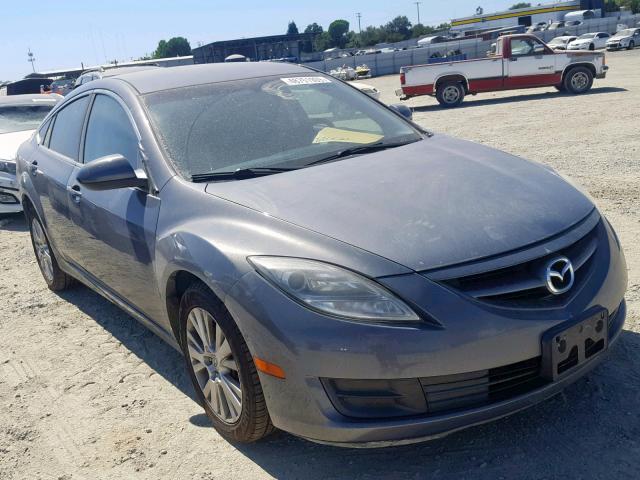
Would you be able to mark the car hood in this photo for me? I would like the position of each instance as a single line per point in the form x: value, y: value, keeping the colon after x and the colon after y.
x: 621, y: 37
x: 437, y: 202
x: 10, y: 142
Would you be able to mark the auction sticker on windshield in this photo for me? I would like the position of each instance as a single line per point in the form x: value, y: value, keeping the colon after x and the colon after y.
x: 305, y: 80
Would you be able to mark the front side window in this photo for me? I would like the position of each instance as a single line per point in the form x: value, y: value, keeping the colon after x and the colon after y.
x: 522, y: 46
x: 109, y: 131
x: 16, y: 118
x: 289, y: 121
x: 67, y: 128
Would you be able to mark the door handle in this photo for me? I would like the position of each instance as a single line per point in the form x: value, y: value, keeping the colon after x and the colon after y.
x: 75, y: 193
x: 33, y: 168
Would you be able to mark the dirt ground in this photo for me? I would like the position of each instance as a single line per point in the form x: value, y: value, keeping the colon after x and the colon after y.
x: 87, y: 393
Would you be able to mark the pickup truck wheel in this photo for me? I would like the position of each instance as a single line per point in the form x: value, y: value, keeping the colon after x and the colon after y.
x: 450, y: 94
x: 578, y: 80
x: 560, y: 88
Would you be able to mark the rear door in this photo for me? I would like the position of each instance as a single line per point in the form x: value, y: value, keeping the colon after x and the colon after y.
x: 114, y: 231
x: 51, y: 165
x: 530, y: 63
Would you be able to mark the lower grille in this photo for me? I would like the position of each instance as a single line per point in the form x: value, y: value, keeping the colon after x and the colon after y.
x: 453, y: 392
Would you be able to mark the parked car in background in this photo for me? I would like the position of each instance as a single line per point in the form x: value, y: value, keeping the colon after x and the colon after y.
x: 573, y: 23
x: 557, y: 25
x: 96, y: 74
x: 560, y: 43
x: 629, y: 39
x: 335, y: 271
x: 62, y: 87
x: 520, y: 61
x: 590, y: 41
x: 538, y: 27
x: 432, y: 40
x: 20, y: 115
x: 368, y: 89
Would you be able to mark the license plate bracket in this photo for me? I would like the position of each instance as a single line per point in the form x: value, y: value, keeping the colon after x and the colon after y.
x: 570, y: 344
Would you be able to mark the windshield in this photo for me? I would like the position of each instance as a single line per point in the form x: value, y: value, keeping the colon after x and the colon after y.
x: 16, y: 118
x: 586, y: 36
x: 268, y: 122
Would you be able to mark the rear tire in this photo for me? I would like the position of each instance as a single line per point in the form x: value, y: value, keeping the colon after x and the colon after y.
x: 221, y: 365
x: 450, y: 94
x: 578, y: 80
x: 632, y: 45
x: 592, y: 47
x: 55, y: 278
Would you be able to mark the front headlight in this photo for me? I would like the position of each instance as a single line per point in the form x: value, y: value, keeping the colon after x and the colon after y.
x: 333, y: 290
x: 8, y: 166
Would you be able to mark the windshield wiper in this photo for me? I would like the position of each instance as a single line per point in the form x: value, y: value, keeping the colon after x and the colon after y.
x: 240, y: 174
x: 370, y: 148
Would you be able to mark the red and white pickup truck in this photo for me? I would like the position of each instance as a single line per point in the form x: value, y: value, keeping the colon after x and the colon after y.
x: 519, y: 61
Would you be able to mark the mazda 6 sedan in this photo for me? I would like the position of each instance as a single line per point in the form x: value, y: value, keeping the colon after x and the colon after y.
x: 326, y: 266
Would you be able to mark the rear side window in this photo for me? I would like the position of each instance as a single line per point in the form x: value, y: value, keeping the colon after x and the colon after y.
x: 67, y: 128
x: 109, y: 131
x: 42, y: 133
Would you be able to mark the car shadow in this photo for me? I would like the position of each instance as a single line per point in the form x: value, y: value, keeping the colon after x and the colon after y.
x: 469, y: 103
x: 13, y: 222
x: 157, y: 354
x: 549, y: 440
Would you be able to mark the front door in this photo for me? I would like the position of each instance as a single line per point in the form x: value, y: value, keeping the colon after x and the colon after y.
x: 530, y: 64
x: 114, y: 230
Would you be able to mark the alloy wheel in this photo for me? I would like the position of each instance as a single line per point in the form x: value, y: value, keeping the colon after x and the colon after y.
x: 214, y: 365
x: 451, y: 94
x: 579, y: 81
x: 43, y: 252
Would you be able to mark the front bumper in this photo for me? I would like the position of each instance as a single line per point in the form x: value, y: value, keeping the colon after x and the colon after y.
x: 9, y: 197
x: 312, y: 348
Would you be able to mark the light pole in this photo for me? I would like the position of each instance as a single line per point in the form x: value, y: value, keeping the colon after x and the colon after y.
x: 418, y: 7
x: 359, y: 15
x: 31, y: 59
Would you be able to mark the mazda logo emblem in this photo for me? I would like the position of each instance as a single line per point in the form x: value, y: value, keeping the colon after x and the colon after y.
x: 559, y: 275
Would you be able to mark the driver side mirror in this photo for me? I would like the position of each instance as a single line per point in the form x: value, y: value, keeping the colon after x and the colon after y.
x: 403, y: 110
x: 111, y: 172
x: 537, y: 48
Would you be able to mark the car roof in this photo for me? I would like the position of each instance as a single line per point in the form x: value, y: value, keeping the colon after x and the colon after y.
x: 30, y: 99
x: 157, y: 79
x: 112, y: 72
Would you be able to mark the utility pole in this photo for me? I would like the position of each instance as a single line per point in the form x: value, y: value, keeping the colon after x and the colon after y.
x: 31, y: 59
x: 418, y: 7
x: 359, y: 15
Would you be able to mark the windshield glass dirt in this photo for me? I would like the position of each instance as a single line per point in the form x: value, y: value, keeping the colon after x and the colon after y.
x: 284, y: 121
x: 18, y: 118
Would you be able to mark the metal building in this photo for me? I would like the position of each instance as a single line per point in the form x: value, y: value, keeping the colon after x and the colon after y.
x: 258, y: 48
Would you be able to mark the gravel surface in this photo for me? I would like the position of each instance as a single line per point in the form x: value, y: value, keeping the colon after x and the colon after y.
x: 86, y: 392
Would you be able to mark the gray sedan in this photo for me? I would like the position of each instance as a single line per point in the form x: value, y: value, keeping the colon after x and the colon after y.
x: 326, y: 266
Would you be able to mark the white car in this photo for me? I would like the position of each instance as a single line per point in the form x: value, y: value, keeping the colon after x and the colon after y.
x: 560, y: 43
x: 20, y: 116
x: 590, y: 41
x: 368, y: 89
x: 629, y: 38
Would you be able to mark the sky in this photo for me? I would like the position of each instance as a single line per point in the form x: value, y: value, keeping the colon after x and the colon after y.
x: 64, y: 33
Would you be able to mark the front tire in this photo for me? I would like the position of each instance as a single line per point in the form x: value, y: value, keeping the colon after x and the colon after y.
x: 55, y: 278
x: 221, y: 368
x: 632, y: 45
x: 578, y: 80
x: 450, y: 94
x: 592, y: 47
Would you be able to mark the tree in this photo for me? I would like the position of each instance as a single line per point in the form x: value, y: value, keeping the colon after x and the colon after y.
x: 314, y: 28
x: 516, y: 6
x: 292, y: 29
x: 398, y: 29
x: 175, y: 47
x: 338, y: 33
